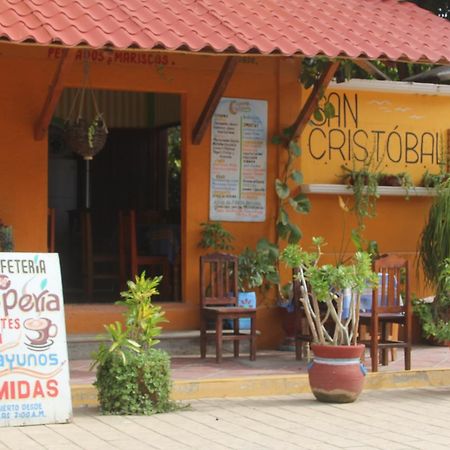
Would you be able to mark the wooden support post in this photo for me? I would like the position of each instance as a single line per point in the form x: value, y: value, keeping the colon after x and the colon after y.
x: 54, y: 92
x: 312, y: 101
x: 371, y: 69
x: 213, y: 99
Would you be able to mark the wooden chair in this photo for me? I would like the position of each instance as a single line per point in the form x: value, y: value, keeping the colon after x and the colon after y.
x: 100, y: 260
x: 142, y: 258
x: 51, y: 223
x: 218, y: 302
x: 390, y: 305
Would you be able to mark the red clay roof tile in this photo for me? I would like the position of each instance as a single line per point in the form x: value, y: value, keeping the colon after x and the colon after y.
x: 348, y: 28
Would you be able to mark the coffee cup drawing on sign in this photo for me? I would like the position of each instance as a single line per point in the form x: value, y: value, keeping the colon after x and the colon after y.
x: 43, y: 330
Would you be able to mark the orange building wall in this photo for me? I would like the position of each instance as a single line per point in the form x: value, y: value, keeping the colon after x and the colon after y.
x: 29, y: 74
x: 25, y: 79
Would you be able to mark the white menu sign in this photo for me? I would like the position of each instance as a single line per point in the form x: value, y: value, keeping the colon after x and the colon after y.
x: 34, y: 368
x: 238, y: 161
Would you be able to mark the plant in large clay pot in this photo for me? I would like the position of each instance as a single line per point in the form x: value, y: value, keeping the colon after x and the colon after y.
x: 335, y: 374
x: 434, y: 258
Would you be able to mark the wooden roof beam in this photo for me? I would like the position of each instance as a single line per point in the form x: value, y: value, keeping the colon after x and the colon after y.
x: 371, y: 69
x: 54, y: 93
x: 213, y: 99
x: 313, y: 100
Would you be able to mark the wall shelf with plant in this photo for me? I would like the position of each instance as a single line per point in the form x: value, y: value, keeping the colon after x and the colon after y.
x: 345, y: 189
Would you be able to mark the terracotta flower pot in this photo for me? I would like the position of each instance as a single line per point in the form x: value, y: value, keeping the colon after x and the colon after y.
x: 336, y: 374
x: 390, y: 180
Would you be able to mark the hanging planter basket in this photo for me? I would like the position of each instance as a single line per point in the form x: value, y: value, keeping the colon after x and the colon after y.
x: 86, y: 139
x: 82, y: 136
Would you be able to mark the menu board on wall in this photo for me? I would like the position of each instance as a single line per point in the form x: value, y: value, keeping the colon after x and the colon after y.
x: 34, y: 370
x: 239, y: 161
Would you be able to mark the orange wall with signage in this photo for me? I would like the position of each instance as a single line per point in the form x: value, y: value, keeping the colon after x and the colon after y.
x: 398, y: 132
x: 24, y: 160
x: 25, y: 80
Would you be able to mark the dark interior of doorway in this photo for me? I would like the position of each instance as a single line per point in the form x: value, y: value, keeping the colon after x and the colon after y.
x: 137, y: 173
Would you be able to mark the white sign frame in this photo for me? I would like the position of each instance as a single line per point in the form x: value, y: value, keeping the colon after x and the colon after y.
x: 34, y: 365
x: 238, y: 176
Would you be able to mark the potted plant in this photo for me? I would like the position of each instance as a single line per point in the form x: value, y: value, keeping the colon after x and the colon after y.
x: 434, y: 258
x: 335, y: 374
x: 433, y: 180
x: 86, y: 138
x: 132, y: 376
x: 257, y: 268
x: 214, y: 236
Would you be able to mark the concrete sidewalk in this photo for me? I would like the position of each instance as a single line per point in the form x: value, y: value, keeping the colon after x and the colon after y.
x: 388, y: 419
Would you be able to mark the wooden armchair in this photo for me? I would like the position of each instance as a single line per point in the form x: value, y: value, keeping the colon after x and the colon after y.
x: 390, y: 305
x: 135, y: 225
x: 101, y: 257
x: 218, y: 302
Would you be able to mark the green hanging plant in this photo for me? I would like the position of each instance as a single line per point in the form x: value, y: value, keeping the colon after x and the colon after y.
x: 434, y: 258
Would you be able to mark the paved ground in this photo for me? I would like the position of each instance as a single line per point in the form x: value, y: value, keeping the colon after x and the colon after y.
x: 267, y: 363
x: 389, y: 419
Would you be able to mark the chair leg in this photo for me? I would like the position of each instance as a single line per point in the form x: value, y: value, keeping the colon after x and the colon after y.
x: 408, y: 358
x: 252, y: 339
x: 363, y: 356
x: 236, y: 342
x: 384, y: 338
x: 219, y: 340
x: 298, y: 348
x: 394, y: 331
x: 374, y: 345
x: 203, y: 337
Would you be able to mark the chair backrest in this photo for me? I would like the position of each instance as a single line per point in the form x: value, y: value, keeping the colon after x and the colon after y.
x: 218, y: 279
x: 392, y: 292
x: 140, y: 224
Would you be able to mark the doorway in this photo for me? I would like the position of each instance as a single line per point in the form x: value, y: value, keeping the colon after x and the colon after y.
x: 134, y: 193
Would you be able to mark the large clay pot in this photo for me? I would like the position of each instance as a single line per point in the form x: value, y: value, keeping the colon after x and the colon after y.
x: 336, y: 374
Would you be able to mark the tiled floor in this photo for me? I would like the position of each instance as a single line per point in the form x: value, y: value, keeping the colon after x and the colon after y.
x: 267, y: 363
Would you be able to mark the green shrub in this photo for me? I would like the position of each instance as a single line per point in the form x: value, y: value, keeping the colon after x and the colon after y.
x: 139, y: 386
x: 132, y: 376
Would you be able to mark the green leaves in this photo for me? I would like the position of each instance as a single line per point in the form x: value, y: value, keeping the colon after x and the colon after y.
x: 294, y: 148
x: 297, y: 177
x: 214, y: 236
x: 258, y: 266
x: 300, y: 203
x: 295, y: 233
x: 141, y: 386
x: 283, y: 217
x: 292, y: 177
x: 329, y: 110
x: 282, y: 189
x: 277, y: 139
x: 142, y: 320
x: 132, y: 376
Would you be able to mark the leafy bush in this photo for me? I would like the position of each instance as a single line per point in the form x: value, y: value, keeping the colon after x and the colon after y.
x: 215, y: 236
x: 141, y: 385
x: 434, y: 257
x: 133, y: 377
x: 325, y: 284
x: 258, y: 267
